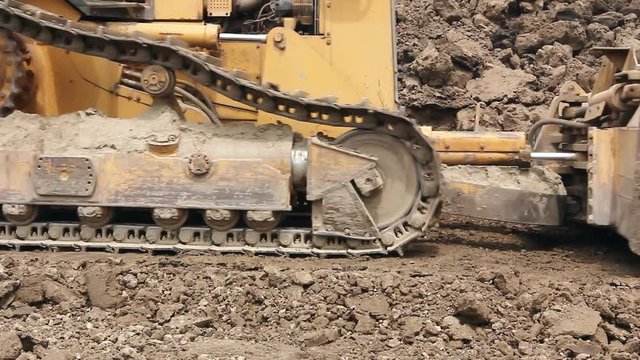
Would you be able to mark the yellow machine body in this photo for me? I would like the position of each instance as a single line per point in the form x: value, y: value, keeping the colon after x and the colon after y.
x: 350, y: 60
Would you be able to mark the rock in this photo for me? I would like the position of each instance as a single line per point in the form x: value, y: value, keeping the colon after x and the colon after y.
x: 573, y: 12
x: 627, y: 321
x: 600, y: 337
x: 554, y: 55
x: 577, y: 321
x: 130, y: 281
x: 571, y: 33
x: 320, y: 322
x: 493, y: 9
x: 601, y: 35
x: 365, y: 324
x: 59, y: 294
x: 394, y: 343
x: 457, y: 330
x: 19, y: 311
x: 186, y: 321
x: 632, y: 347
x: 103, y: 289
x: 11, y: 346
x: 581, y: 347
x: 178, y: 289
x: 498, y: 83
x: 412, y: 325
x: 303, y: 278
x: 166, y: 311
x: 433, y: 66
x: 470, y: 310
x: 388, y: 281
x: 7, y: 291
x: 27, y: 356
x: 504, y: 348
x: 55, y: 354
x: 376, y: 305
x: 364, y: 283
x: 448, y: 10
x: 610, y: 19
x: 320, y: 337
x: 514, y: 117
x: 432, y: 329
x: 31, y: 291
x: 614, y: 332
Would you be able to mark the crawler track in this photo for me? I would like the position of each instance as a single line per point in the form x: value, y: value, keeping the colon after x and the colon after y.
x: 145, y: 238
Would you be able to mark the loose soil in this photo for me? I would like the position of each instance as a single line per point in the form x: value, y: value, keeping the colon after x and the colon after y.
x: 471, y: 290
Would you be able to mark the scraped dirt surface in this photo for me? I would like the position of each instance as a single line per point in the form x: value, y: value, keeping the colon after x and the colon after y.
x: 472, y: 291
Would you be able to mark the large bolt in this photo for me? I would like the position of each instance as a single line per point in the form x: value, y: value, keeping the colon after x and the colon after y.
x: 199, y: 164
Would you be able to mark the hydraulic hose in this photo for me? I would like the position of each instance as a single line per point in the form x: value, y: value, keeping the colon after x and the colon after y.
x: 535, y: 129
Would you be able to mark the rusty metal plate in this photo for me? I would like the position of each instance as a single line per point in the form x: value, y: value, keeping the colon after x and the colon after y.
x: 529, y: 196
x: 509, y: 205
x: 64, y: 176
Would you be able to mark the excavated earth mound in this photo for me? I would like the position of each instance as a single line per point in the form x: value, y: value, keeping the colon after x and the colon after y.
x: 502, y: 58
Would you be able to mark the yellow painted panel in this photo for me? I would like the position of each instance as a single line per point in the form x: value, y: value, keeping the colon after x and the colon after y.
x: 178, y: 10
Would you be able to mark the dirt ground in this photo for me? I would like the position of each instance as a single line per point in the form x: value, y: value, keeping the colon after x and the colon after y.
x: 470, y: 291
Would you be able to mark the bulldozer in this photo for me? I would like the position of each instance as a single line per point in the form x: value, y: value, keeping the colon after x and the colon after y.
x: 272, y: 127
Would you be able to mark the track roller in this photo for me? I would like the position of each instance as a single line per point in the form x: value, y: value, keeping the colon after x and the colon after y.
x: 95, y: 216
x: 221, y: 220
x: 170, y: 218
x: 262, y: 221
x: 20, y: 214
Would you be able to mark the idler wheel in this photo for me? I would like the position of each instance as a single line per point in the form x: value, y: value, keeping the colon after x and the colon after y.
x: 394, y: 200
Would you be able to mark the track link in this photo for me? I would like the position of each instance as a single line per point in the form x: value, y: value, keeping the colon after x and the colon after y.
x: 97, y: 41
x: 152, y: 239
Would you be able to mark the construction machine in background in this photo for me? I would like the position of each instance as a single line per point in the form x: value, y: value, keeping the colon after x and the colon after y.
x: 270, y: 126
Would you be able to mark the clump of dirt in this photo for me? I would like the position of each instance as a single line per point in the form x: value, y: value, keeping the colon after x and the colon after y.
x: 502, y: 59
x: 89, y: 131
x: 537, y: 179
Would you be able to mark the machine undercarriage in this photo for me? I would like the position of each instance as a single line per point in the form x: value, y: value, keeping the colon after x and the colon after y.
x: 317, y: 176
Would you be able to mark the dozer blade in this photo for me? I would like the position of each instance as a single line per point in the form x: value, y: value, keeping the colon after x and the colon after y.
x: 511, y: 194
x: 614, y: 182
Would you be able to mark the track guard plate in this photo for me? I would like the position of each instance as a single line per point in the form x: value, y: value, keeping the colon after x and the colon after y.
x: 64, y: 176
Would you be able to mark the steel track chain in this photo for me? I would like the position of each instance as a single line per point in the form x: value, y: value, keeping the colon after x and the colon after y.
x: 145, y: 238
x: 15, y: 73
x: 89, y: 39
